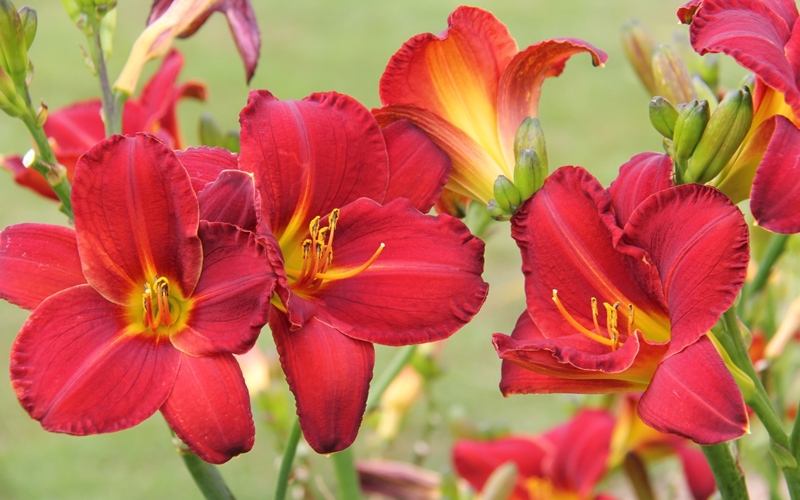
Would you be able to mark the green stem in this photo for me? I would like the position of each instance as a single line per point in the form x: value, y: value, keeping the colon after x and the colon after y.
x: 286, y: 463
x: 727, y: 472
x: 775, y: 248
x: 346, y: 474
x: 112, y: 108
x: 206, y: 476
x: 47, y: 165
x: 396, y: 364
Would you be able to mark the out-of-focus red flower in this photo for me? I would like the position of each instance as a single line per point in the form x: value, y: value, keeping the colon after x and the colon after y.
x: 76, y: 128
x: 338, y: 204
x: 139, y: 308
x: 763, y: 36
x: 621, y: 287
x: 469, y: 88
x: 170, y: 19
x: 565, y: 463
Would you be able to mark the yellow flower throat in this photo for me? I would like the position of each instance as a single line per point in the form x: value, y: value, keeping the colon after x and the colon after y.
x: 612, y: 337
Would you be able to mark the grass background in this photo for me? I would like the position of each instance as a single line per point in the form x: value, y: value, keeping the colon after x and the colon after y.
x: 594, y: 117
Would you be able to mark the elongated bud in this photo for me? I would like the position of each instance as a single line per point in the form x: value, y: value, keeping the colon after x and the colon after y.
x: 639, y: 46
x: 708, y: 69
x: 723, y: 135
x: 11, y: 102
x: 507, y: 195
x: 529, y: 173
x: 672, y: 78
x: 30, y: 23
x: 531, y: 136
x: 663, y: 116
x: 692, y: 120
x: 12, y: 43
x: 704, y: 92
x: 495, y: 212
x: 501, y: 482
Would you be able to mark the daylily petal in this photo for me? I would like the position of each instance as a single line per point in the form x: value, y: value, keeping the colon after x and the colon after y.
x: 698, y: 474
x: 28, y: 177
x: 75, y: 368
x: 565, y: 233
x: 36, y: 261
x: 754, y: 35
x: 231, y: 301
x: 329, y: 374
x: 384, y: 304
x: 521, y: 84
x: 693, y: 394
x: 698, y: 240
x: 418, y: 170
x: 686, y: 12
x: 641, y: 176
x: 76, y: 128
x: 209, y: 408
x: 310, y: 156
x: 455, y: 74
x: 231, y: 198
x: 775, y: 199
x: 204, y: 164
x: 580, y: 457
x: 136, y: 216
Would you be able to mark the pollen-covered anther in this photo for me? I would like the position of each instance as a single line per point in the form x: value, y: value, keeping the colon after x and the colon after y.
x: 155, y: 302
x: 612, y: 316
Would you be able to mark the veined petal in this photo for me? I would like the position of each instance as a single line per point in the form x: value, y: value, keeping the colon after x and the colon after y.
x: 244, y: 28
x: 698, y: 241
x: 418, y: 169
x: 641, y: 176
x: 136, y: 216
x: 204, y: 164
x: 474, y: 170
x: 385, y: 304
x: 455, y: 75
x: 310, y: 157
x: 76, y: 370
x: 329, y: 374
x: 694, y: 395
x: 36, y: 261
x: 209, y: 408
x: 776, y: 189
x: 231, y: 198
x: 231, y: 301
x: 76, y: 128
x: 566, y: 233
x: 754, y: 35
x: 521, y: 83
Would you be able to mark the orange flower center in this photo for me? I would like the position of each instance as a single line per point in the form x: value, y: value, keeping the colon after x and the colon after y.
x: 318, y: 258
x: 612, y: 337
x: 540, y: 488
x: 159, y: 309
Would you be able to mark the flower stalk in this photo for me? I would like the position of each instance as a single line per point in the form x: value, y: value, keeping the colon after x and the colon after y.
x: 205, y: 475
x: 727, y: 473
x: 48, y: 165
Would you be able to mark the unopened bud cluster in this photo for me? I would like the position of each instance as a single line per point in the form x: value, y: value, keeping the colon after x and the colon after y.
x: 530, y: 170
x: 701, y: 143
x: 83, y: 12
x: 17, y: 31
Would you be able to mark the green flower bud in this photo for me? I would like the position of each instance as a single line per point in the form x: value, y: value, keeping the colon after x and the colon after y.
x: 30, y: 22
x: 663, y: 116
x: 212, y: 135
x: 704, y: 92
x: 672, y: 78
x: 530, y: 136
x: 11, y: 102
x: 639, y: 46
x: 692, y: 120
x: 722, y: 137
x: 496, y: 212
x: 14, y: 59
x: 507, y: 195
x: 529, y: 173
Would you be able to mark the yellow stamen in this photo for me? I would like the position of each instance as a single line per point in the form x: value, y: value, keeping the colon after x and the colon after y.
x: 613, y: 340
x: 352, y: 272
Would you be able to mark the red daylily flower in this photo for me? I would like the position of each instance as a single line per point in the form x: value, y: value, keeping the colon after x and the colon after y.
x: 76, y: 128
x: 764, y: 37
x: 565, y: 463
x: 139, y: 308
x: 656, y: 266
x: 170, y: 19
x: 357, y: 263
x: 469, y: 89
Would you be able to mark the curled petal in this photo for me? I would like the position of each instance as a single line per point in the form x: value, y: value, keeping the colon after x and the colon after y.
x: 385, y: 303
x: 204, y: 164
x: 329, y: 374
x: 694, y: 395
x: 310, y: 157
x: 231, y: 301
x: 36, y: 261
x: 418, y: 170
x: 28, y: 177
x: 76, y: 369
x: 581, y: 449
x: 136, y: 216
x: 641, y: 176
x: 209, y: 408
x: 76, y: 128
x: 231, y: 198
x: 775, y: 199
x: 698, y: 241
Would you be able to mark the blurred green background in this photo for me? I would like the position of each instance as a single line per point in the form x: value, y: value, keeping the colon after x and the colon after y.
x: 594, y: 117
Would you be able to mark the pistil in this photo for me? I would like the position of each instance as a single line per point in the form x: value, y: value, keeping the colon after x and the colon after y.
x: 613, y: 340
